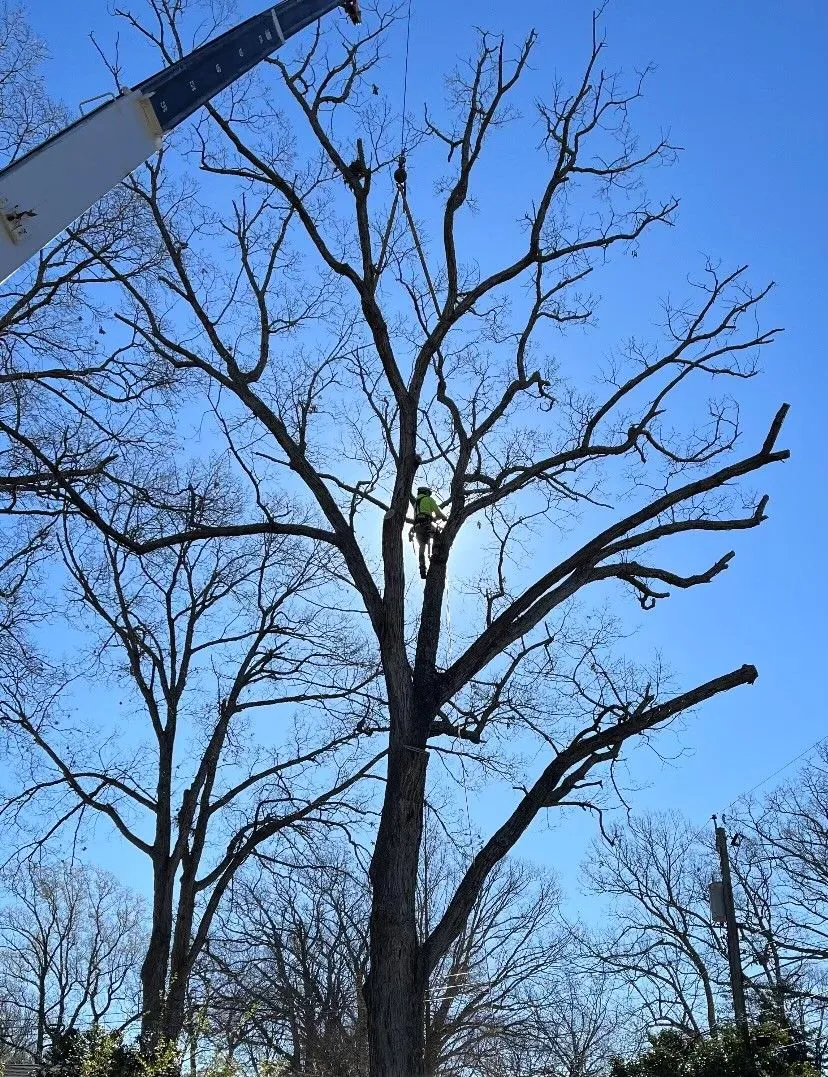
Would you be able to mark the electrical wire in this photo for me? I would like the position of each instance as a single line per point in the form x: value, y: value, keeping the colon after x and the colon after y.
x: 769, y: 777
x: 785, y: 766
x: 796, y: 758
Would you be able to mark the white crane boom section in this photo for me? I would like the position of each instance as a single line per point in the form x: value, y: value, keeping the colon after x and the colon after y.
x: 47, y: 190
x: 43, y: 193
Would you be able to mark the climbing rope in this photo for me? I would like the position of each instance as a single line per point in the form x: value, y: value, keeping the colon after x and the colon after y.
x: 447, y: 612
x: 400, y: 173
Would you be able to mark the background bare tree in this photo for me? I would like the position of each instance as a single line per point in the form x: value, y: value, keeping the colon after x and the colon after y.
x: 27, y: 113
x: 70, y: 943
x: 283, y: 976
x: 340, y: 347
x: 787, y: 839
x: 280, y: 982
x: 193, y: 645
x: 496, y: 982
x: 579, y: 1027
x: 661, y: 944
x: 54, y: 363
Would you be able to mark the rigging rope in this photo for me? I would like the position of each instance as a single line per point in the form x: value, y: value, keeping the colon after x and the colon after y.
x: 405, y: 78
x: 387, y: 237
x: 416, y: 237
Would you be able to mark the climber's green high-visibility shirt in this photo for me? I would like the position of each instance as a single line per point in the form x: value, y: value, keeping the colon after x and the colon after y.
x: 427, y: 506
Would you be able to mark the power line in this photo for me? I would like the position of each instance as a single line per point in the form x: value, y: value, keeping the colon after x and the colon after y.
x: 779, y: 770
x: 766, y: 779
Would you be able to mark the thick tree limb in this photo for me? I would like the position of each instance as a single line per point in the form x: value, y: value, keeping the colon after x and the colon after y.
x: 561, y: 776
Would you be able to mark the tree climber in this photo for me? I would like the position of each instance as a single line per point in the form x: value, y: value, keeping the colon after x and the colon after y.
x: 426, y: 512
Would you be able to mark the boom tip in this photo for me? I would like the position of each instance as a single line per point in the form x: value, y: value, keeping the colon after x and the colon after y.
x: 352, y: 11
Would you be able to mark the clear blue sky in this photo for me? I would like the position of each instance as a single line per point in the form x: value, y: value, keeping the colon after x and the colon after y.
x: 740, y: 86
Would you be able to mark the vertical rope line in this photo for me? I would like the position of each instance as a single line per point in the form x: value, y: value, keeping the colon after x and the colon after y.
x: 447, y: 608
x: 405, y: 78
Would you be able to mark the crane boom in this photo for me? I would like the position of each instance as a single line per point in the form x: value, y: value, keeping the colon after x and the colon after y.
x: 45, y: 191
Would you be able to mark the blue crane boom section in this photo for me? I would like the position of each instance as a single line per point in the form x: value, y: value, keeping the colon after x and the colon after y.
x: 180, y: 89
x: 44, y: 191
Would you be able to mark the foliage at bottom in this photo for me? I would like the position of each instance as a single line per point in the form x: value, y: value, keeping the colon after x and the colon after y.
x: 770, y: 1050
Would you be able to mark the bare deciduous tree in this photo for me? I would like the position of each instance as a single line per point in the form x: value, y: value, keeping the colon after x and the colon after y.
x: 18, y: 607
x: 494, y: 984
x: 578, y: 1028
x: 790, y: 830
x: 662, y: 945
x: 70, y: 942
x: 53, y: 362
x: 662, y: 942
x: 347, y: 346
x: 195, y: 643
x: 282, y: 979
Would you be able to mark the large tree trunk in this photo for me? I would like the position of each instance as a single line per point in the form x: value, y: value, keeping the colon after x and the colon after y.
x: 155, y: 968
x: 396, y: 986
x: 154, y: 987
x: 175, y: 1006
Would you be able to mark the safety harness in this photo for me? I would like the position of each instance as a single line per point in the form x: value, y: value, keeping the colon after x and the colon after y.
x: 423, y: 521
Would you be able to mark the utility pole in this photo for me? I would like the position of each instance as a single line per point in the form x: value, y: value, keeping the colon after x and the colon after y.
x: 733, y: 954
